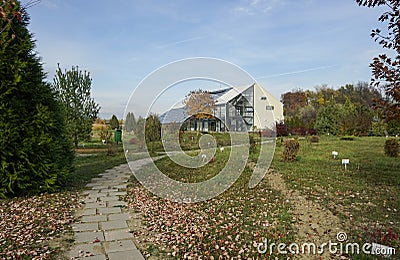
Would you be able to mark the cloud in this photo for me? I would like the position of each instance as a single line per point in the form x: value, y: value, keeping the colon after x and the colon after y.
x: 253, y: 7
x: 296, y: 72
x: 50, y: 4
x: 180, y: 42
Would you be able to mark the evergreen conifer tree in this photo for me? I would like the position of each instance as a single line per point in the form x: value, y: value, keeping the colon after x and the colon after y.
x: 35, y: 152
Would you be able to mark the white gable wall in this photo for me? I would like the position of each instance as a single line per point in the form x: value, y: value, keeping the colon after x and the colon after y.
x: 264, y: 118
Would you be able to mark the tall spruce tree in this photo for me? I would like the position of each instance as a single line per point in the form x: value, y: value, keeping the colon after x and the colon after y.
x: 35, y: 152
x: 153, y: 128
x: 114, y: 123
x: 130, y: 122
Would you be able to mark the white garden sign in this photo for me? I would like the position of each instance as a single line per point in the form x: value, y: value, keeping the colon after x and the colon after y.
x: 345, y: 162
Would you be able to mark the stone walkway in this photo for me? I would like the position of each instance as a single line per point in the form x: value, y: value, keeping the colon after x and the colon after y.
x: 102, y: 231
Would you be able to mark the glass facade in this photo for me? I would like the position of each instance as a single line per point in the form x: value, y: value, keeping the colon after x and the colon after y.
x: 241, y: 111
x: 236, y: 115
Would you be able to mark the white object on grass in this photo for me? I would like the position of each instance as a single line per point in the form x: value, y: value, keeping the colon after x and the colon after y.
x: 334, y: 154
x: 345, y: 162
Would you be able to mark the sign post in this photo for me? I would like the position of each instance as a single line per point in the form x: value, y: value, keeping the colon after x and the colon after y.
x: 345, y: 162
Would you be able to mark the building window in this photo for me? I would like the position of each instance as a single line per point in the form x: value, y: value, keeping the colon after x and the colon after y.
x: 263, y: 98
x: 249, y: 110
x: 270, y: 107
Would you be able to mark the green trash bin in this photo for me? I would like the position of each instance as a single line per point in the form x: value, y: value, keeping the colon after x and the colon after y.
x: 118, y: 135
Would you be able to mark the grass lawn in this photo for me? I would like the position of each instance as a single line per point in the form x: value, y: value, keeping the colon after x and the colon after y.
x: 365, y: 198
x: 188, y: 141
x: 88, y: 167
x: 229, y: 225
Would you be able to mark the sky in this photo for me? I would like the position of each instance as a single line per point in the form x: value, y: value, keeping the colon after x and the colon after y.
x: 284, y: 45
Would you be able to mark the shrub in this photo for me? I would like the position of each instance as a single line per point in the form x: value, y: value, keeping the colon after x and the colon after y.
x: 105, y: 135
x: 348, y: 137
x: 314, y: 139
x: 267, y: 133
x: 392, y: 147
x: 312, y: 131
x: 290, y: 149
x: 281, y: 129
x: 253, y: 145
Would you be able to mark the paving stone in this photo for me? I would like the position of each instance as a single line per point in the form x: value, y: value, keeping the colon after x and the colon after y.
x: 94, y: 218
x: 120, y: 245
x: 91, y: 193
x: 88, y: 236
x: 117, y: 193
x: 86, y: 212
x: 109, y: 198
x: 99, y: 187
x: 109, y: 190
x: 96, y: 257
x: 118, y: 174
x: 94, y: 205
x: 117, y: 203
x: 102, y: 195
x: 97, y: 180
x: 90, y: 199
x: 96, y: 194
x: 113, y: 224
x: 119, y: 216
x: 103, y: 185
x: 126, y: 255
x: 110, y: 179
x: 109, y: 210
x: 92, y: 226
x: 118, y: 234
x: 88, y: 191
x: 93, y: 248
x: 120, y: 186
x: 124, y: 174
x: 112, y: 173
x: 118, y: 180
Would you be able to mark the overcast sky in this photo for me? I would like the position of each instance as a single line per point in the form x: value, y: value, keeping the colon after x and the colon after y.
x: 284, y: 44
